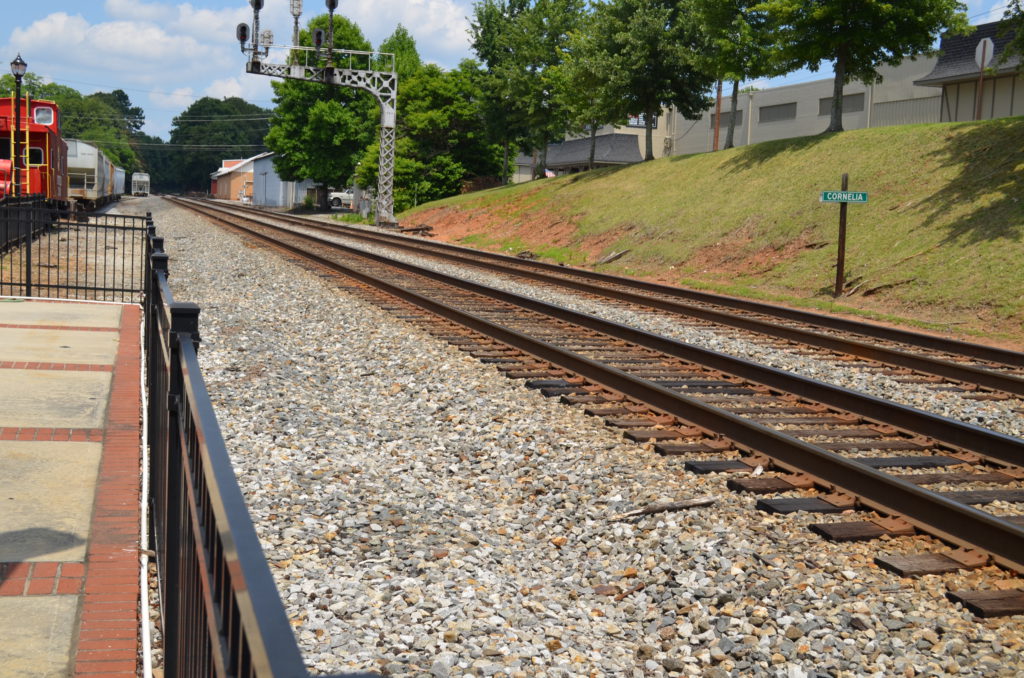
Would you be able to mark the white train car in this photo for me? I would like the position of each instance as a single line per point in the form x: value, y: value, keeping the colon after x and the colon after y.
x: 92, y: 178
x: 119, y: 175
x: 140, y: 184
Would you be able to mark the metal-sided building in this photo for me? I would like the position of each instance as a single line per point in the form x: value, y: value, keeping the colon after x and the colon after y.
x: 804, y: 109
x: 269, y: 190
x: 907, y: 94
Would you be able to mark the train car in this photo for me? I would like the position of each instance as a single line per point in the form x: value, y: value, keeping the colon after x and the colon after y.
x: 92, y: 178
x: 119, y: 175
x: 140, y: 184
x: 43, y: 166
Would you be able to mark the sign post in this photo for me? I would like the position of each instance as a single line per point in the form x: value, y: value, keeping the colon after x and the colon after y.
x: 983, y: 54
x: 843, y: 197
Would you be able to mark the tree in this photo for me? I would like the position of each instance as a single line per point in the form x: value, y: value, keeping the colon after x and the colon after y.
x: 407, y: 57
x: 97, y: 118
x: 211, y: 130
x: 441, y: 140
x: 522, y: 46
x: 649, y: 51
x: 857, y: 36
x: 320, y: 131
x: 159, y: 161
x: 133, y: 118
x: 583, y: 88
x: 1014, y: 20
x: 738, y: 45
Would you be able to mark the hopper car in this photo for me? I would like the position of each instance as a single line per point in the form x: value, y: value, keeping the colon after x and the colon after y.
x: 140, y: 184
x: 93, y: 181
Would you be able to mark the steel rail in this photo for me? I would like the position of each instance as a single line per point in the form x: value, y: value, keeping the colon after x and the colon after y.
x: 986, y: 378
x: 940, y: 516
x: 982, y: 441
x: 967, y: 349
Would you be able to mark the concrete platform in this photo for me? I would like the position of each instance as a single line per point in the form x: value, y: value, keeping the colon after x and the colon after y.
x: 69, y: 488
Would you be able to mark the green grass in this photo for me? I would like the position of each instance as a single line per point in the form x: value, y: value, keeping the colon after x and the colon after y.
x: 940, y: 240
x: 352, y: 218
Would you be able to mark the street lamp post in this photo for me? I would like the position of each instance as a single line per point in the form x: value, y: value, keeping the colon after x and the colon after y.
x: 18, y: 68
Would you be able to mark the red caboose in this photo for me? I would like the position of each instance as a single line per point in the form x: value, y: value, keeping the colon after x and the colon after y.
x: 44, y: 159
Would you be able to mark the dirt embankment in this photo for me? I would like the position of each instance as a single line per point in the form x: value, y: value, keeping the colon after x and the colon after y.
x: 715, y: 265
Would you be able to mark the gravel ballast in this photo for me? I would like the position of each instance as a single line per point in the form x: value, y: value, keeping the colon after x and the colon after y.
x: 425, y: 516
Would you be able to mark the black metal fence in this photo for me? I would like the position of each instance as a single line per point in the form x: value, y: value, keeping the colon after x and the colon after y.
x: 222, y: 612
x: 46, y: 252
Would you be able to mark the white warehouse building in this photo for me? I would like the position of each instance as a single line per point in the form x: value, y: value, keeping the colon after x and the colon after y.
x: 921, y: 90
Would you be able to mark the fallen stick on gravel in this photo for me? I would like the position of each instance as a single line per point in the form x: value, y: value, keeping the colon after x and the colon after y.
x: 639, y: 587
x: 666, y: 506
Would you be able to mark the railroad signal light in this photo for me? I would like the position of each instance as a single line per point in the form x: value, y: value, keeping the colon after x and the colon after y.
x: 242, y: 33
x: 332, y: 5
x: 256, y: 4
x: 318, y: 38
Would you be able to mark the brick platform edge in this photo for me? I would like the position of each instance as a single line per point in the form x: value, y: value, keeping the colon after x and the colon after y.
x: 108, y: 638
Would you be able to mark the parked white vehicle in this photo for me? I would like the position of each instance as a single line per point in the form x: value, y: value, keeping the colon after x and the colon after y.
x: 340, y: 198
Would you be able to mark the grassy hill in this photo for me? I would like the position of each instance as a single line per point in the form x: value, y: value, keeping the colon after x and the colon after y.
x: 940, y: 244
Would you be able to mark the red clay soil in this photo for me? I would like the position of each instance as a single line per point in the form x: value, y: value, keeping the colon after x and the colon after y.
x: 716, y: 265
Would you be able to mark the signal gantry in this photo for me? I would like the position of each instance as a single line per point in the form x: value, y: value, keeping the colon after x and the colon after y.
x: 373, y: 72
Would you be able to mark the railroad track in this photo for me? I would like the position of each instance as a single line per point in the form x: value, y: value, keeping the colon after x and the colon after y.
x: 913, y: 471
x: 970, y: 370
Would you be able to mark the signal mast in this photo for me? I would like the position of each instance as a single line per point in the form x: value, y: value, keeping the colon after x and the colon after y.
x: 339, y: 67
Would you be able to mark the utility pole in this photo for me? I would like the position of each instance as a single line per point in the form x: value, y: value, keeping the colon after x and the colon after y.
x: 322, y: 63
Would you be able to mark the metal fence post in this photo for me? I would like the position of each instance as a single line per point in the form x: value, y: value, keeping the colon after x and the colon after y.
x: 28, y: 248
x: 184, y: 327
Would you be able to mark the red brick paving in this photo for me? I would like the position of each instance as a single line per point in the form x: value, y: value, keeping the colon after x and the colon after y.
x: 112, y: 563
x: 108, y: 580
x: 33, y: 579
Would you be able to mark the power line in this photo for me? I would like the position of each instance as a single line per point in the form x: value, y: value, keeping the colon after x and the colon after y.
x: 170, y: 146
x: 224, y: 118
x: 1001, y: 8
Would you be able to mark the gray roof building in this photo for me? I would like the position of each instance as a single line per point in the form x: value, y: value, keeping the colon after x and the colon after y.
x: 956, y: 56
x: 573, y: 155
x: 957, y: 73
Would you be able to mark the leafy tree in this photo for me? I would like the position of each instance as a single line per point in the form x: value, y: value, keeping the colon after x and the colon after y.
x: 857, y: 36
x: 320, y: 131
x: 441, y: 139
x: 159, y: 162
x: 738, y: 45
x: 583, y: 88
x: 522, y: 46
x: 133, y: 117
x: 407, y: 57
x: 491, y: 20
x: 91, y: 118
x: 650, y: 57
x: 34, y: 87
x: 210, y: 130
x: 1014, y: 19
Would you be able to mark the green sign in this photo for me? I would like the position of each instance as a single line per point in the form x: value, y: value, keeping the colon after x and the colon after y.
x: 844, y: 196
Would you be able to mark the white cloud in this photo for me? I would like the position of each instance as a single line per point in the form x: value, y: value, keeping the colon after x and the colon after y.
x: 173, y: 52
x: 179, y: 98
x: 985, y: 11
x: 132, y: 10
x: 249, y: 87
x: 438, y: 26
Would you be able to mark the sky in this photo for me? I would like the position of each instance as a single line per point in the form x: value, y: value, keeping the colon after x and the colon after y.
x: 165, y: 55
